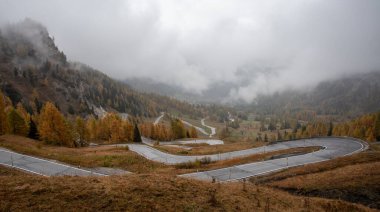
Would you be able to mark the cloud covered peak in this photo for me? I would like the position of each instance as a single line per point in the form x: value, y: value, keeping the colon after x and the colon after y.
x: 264, y: 46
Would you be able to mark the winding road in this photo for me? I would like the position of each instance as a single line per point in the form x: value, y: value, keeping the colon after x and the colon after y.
x: 158, y: 119
x: 213, y: 129
x: 203, y: 131
x: 333, y: 147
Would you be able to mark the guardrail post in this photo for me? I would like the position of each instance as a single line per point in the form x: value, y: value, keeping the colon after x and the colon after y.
x: 11, y: 159
x: 229, y: 177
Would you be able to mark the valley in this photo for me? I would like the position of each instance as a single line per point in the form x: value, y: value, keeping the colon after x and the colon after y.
x: 73, y: 137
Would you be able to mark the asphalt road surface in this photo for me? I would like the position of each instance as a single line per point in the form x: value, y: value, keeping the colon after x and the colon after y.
x: 41, y: 166
x: 332, y: 148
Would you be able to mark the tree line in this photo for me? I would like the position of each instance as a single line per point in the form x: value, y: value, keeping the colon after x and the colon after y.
x: 161, y: 132
x: 366, y: 127
x: 52, y: 127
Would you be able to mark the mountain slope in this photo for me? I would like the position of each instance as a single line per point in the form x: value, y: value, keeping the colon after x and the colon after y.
x: 33, y: 71
x: 348, y: 97
x: 215, y: 93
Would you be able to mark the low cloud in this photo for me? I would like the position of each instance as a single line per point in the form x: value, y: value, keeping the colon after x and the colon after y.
x: 264, y: 46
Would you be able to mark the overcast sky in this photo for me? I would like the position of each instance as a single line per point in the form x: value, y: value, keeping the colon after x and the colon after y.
x: 265, y: 45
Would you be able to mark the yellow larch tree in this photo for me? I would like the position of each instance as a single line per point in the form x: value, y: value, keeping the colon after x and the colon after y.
x: 53, y: 128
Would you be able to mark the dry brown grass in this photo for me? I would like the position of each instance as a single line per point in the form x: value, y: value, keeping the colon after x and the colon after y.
x: 354, y: 178
x: 194, y: 166
x: 211, y: 149
x: 23, y: 192
x: 355, y: 183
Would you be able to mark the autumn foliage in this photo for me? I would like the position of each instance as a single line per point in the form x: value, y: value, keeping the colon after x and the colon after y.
x: 111, y: 128
x: 16, y: 123
x: 366, y: 127
x: 53, y: 127
x: 161, y: 132
x: 156, y: 132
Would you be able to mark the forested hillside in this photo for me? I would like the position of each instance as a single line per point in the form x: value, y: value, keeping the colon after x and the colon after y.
x: 33, y: 70
x: 349, y: 97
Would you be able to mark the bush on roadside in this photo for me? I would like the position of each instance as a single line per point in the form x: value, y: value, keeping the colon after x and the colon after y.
x: 194, y: 164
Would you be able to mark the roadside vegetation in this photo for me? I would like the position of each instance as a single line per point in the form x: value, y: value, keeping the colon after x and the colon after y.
x: 149, y: 193
x: 205, y: 149
x: 206, y: 164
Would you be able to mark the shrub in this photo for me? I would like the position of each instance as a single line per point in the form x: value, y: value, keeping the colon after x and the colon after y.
x: 194, y: 164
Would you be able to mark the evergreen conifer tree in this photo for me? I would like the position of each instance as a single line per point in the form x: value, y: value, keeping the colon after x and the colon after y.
x: 136, y: 134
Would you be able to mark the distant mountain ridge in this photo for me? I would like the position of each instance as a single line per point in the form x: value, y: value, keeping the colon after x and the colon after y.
x: 216, y: 92
x: 350, y: 96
